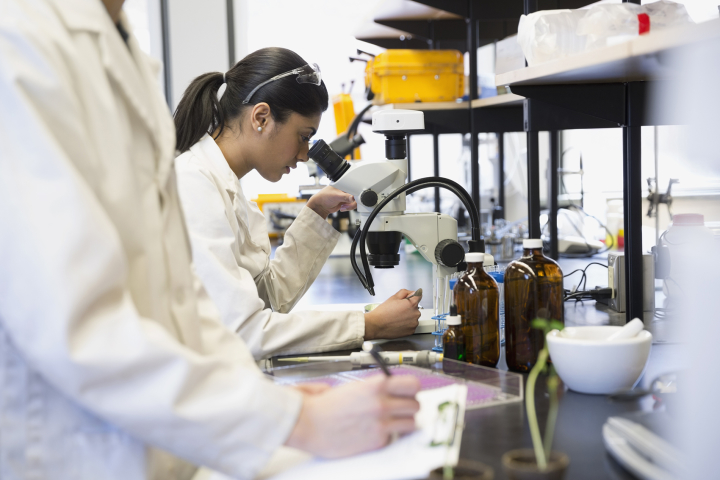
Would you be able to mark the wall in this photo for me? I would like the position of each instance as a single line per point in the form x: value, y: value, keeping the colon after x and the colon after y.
x: 697, y: 192
x: 198, y: 41
x: 321, y: 32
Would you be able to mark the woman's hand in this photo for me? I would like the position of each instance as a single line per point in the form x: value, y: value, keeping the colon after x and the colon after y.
x: 396, y: 317
x: 357, y: 417
x: 330, y: 200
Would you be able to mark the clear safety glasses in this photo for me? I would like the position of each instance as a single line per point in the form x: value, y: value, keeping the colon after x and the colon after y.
x: 306, y: 74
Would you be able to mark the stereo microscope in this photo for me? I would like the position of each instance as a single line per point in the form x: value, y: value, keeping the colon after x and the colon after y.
x: 379, y: 188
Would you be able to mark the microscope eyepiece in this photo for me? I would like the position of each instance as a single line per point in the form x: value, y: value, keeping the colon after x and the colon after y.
x: 331, y: 163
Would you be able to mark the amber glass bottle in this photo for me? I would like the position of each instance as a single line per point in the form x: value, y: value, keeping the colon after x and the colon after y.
x: 533, y: 289
x: 477, y: 298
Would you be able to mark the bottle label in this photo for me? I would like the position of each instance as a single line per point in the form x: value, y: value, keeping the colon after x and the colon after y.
x: 501, y: 312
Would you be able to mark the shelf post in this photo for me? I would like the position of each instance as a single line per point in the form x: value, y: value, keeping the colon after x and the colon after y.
x: 501, y: 170
x: 533, y: 157
x: 472, y: 41
x: 436, y: 165
x: 533, y: 191
x: 555, y: 151
x: 632, y: 205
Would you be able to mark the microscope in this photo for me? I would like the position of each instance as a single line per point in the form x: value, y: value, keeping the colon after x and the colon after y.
x: 380, y: 188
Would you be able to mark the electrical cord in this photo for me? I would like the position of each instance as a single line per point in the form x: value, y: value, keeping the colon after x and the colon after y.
x: 596, y: 294
x: 580, y: 293
x: 352, y: 128
x: 412, y: 187
x: 353, y: 261
x: 583, y: 279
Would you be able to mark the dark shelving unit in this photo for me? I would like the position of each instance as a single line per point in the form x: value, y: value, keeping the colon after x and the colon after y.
x: 608, y: 88
x: 466, y: 25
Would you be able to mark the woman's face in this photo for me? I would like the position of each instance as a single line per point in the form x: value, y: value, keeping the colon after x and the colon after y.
x: 284, y: 145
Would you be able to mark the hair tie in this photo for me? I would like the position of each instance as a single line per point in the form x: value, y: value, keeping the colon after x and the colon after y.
x: 221, y: 90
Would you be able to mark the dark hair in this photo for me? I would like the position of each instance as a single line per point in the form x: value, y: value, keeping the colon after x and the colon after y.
x: 199, y: 111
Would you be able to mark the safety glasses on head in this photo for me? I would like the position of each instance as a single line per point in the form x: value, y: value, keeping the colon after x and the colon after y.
x: 309, y: 73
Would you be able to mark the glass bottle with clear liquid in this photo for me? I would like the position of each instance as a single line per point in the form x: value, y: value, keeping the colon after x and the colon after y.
x: 477, y: 298
x: 533, y: 289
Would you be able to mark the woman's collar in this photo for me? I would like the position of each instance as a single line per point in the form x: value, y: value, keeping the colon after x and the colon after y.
x: 207, y: 148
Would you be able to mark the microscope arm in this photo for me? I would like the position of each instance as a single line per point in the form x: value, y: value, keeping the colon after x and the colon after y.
x: 364, y: 176
x: 426, y: 231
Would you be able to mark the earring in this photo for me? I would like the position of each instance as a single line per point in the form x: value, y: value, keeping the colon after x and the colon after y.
x: 259, y: 129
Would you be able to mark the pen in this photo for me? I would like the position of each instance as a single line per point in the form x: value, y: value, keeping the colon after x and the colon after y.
x: 416, y: 293
x: 372, y: 350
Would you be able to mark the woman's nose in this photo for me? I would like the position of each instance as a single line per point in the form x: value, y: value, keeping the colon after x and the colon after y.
x: 303, y: 153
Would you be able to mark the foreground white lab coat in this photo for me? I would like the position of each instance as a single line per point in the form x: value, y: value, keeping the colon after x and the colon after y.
x: 105, y: 348
x: 231, y: 254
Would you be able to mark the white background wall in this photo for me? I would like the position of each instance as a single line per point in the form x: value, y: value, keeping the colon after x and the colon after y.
x: 198, y: 41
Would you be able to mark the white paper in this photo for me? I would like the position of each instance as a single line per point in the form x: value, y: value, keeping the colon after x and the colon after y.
x: 409, y: 457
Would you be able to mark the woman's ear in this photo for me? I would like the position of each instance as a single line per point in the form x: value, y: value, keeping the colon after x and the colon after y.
x: 260, y: 117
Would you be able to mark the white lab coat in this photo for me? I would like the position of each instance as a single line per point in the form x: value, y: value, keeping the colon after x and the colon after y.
x: 231, y: 254
x: 105, y: 347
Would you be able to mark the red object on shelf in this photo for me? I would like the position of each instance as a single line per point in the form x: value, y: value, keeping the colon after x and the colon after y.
x: 643, y: 23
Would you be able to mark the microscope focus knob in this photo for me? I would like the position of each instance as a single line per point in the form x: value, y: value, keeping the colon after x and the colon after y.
x: 449, y: 253
x: 369, y: 198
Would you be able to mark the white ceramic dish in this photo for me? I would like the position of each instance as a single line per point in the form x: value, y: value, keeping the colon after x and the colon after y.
x: 587, y: 363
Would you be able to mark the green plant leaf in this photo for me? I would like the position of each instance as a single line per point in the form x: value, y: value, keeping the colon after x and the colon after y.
x: 539, y: 323
x: 537, y: 441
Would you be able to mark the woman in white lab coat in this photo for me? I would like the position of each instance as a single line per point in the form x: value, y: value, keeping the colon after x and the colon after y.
x: 112, y: 363
x: 260, y: 115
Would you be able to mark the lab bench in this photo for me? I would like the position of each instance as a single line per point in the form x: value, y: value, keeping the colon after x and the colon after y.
x: 492, y: 431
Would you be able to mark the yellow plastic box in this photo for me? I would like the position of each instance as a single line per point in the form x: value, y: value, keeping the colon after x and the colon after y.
x: 278, y: 201
x: 344, y: 114
x: 407, y: 76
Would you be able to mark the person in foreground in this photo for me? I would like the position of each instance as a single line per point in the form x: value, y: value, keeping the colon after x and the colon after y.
x: 261, y: 115
x: 113, y: 364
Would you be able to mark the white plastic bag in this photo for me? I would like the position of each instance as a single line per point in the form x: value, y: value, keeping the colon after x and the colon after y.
x: 605, y: 25
x: 549, y: 35
x: 665, y: 14
x: 553, y: 34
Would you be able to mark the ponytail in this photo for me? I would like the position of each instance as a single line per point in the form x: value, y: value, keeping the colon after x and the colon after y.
x: 200, y: 112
